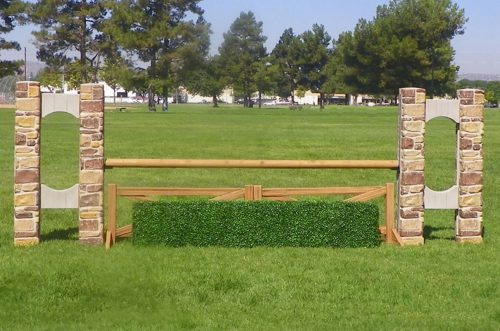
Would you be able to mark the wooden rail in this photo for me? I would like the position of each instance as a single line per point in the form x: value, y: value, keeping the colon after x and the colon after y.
x: 260, y: 164
x: 250, y: 192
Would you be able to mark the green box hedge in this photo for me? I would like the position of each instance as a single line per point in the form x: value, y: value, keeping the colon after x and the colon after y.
x: 250, y: 224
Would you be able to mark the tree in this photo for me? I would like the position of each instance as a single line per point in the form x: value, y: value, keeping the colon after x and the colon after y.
x: 51, y: 79
x: 265, y: 78
x: 11, y: 12
x: 285, y: 56
x: 209, y: 80
x: 408, y: 43
x: 242, y: 50
x: 112, y: 73
x: 158, y: 34
x: 70, y: 37
x: 314, y: 56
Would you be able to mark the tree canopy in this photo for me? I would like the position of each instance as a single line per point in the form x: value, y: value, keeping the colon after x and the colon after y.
x: 10, y: 12
x: 162, y: 39
x: 156, y: 46
x: 69, y: 38
x: 408, y: 43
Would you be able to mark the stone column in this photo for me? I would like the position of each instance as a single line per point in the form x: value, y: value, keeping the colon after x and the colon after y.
x: 91, y: 163
x: 27, y: 164
x: 410, y: 223
x: 470, y: 158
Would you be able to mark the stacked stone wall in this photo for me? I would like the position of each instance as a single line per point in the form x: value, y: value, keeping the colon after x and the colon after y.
x: 469, y: 217
x: 91, y: 163
x: 27, y: 164
x: 412, y: 162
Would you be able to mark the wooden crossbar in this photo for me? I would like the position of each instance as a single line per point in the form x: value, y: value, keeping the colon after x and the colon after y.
x: 272, y: 192
x: 367, y: 196
x: 138, y: 191
x: 261, y: 164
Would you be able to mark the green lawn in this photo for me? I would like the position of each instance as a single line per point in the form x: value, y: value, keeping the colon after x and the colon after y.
x: 60, y: 285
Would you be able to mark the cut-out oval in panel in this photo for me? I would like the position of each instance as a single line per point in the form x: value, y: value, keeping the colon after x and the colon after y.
x: 440, y: 154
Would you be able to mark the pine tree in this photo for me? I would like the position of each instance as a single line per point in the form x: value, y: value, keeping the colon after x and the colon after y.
x: 242, y: 50
x: 315, y: 54
x: 408, y: 43
x: 285, y: 56
x: 67, y: 28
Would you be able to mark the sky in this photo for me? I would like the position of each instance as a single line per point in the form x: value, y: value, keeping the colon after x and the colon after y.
x: 477, y: 51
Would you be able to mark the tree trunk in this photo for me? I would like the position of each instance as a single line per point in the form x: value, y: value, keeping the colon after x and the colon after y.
x: 214, y: 100
x: 321, y: 100
x: 164, y: 105
x: 151, y: 99
x: 152, y: 75
x: 260, y: 99
x: 246, y: 104
x: 114, y: 95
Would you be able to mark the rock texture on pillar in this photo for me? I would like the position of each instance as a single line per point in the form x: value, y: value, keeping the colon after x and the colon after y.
x: 469, y: 220
x: 410, y: 223
x: 91, y: 163
x: 27, y: 164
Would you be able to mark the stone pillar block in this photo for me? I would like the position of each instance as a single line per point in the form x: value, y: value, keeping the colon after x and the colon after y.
x: 27, y: 164
x: 411, y: 179
x: 469, y: 219
x: 91, y: 163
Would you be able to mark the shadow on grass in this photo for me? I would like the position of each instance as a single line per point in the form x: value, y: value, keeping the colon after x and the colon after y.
x: 61, y: 234
x: 439, y: 233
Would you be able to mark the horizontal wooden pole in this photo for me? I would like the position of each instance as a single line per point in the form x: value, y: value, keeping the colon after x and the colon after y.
x: 262, y: 164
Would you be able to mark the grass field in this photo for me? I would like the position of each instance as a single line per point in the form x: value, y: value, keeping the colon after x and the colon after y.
x: 60, y: 285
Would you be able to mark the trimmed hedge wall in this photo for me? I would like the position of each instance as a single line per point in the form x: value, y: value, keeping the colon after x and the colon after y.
x: 250, y: 223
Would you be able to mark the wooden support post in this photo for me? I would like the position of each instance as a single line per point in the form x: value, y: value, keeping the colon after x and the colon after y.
x: 389, y: 212
x: 111, y: 234
x: 257, y: 192
x: 248, y: 192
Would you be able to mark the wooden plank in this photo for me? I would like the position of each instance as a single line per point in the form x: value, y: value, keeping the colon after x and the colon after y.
x: 124, y: 231
x: 238, y: 194
x: 367, y: 196
x: 270, y: 192
x: 140, y: 198
x: 257, y: 192
x: 262, y: 164
x: 397, y: 237
x: 389, y: 212
x: 169, y: 191
x: 111, y: 214
x: 248, y: 194
x: 280, y: 198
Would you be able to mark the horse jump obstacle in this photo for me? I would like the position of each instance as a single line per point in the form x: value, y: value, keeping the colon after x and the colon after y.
x: 412, y: 197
